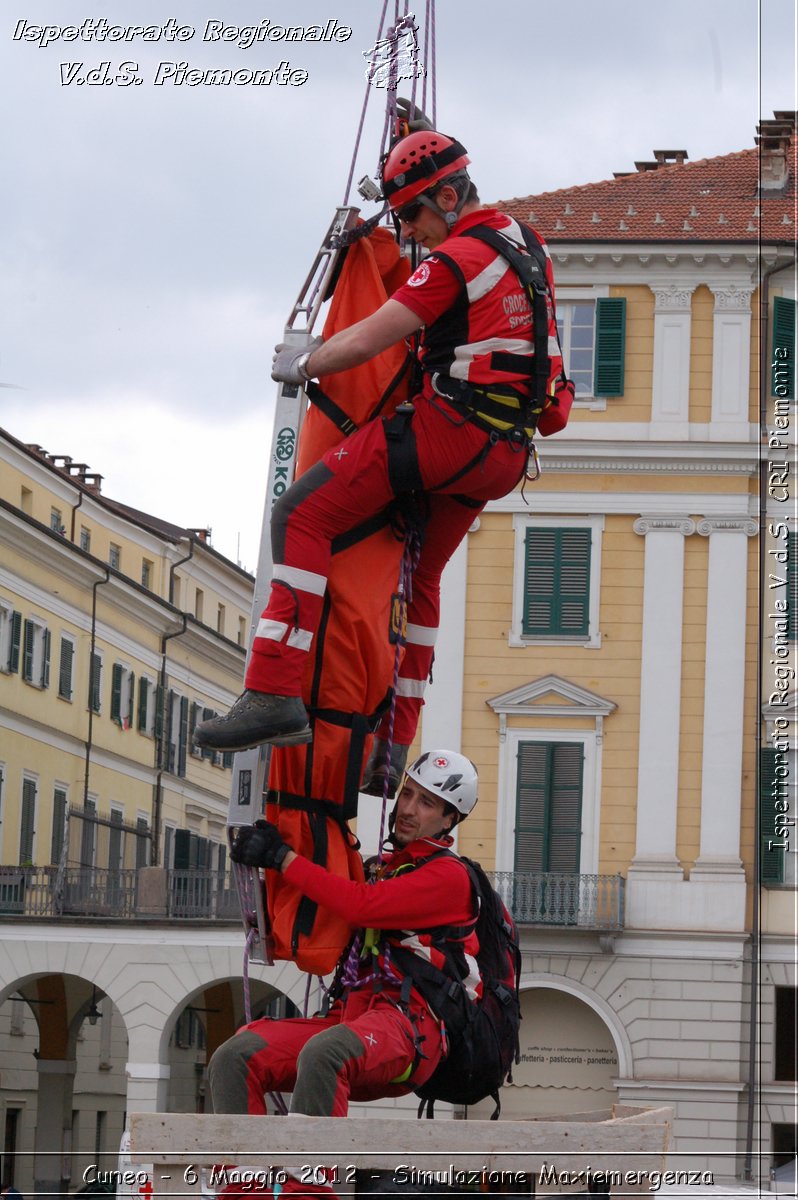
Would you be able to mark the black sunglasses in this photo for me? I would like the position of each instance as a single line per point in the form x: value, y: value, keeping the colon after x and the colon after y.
x: 408, y: 212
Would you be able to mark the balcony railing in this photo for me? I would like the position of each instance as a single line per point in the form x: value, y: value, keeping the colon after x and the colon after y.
x: 536, y: 898
x: 151, y: 892
x: 554, y: 898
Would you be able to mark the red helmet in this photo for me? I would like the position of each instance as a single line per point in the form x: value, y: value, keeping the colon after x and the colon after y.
x: 417, y: 162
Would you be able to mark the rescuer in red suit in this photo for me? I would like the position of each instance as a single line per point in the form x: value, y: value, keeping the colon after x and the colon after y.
x: 466, y: 442
x: 380, y: 1037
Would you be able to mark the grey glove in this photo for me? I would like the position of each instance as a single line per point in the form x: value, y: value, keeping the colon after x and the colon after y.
x: 288, y: 364
x: 411, y: 115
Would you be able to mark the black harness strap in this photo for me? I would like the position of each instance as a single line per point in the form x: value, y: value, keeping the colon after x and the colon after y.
x: 332, y: 411
x: 403, y: 472
x: 531, y: 270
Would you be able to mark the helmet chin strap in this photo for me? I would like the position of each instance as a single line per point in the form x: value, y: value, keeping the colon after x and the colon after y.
x: 450, y: 218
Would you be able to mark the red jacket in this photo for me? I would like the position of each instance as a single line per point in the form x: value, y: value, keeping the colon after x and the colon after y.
x: 474, y: 306
x: 405, y: 903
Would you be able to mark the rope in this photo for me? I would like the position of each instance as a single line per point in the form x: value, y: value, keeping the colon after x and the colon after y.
x: 362, y: 116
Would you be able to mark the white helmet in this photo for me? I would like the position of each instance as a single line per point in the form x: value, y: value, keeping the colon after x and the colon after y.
x: 449, y: 775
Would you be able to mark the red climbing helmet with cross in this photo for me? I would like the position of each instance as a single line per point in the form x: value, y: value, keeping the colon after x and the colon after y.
x: 419, y: 161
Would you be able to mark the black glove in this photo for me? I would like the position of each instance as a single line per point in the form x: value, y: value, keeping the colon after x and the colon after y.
x: 411, y: 115
x: 259, y: 845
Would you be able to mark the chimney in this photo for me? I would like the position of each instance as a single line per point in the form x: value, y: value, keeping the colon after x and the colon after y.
x: 773, y: 138
x: 91, y: 480
x: 662, y: 158
x: 202, y: 535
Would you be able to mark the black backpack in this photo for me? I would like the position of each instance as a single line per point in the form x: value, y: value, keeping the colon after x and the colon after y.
x: 482, y: 1034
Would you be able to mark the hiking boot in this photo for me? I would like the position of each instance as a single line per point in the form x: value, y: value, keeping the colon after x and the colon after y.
x: 378, y: 766
x: 254, y: 718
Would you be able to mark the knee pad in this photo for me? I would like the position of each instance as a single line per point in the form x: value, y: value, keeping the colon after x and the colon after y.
x: 330, y: 1048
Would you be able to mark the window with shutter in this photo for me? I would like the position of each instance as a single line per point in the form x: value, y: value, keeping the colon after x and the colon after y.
x: 556, y: 582
x: 122, y: 690
x: 773, y: 792
x: 95, y: 682
x: 59, y: 824
x: 549, y: 806
x: 10, y: 627
x: 116, y: 841
x: 142, y: 842
x: 182, y: 744
x: 27, y: 821
x: 782, y: 371
x: 36, y: 653
x: 608, y: 375
x: 66, y: 662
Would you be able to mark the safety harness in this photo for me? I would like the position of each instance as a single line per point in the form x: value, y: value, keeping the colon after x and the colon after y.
x: 504, y: 410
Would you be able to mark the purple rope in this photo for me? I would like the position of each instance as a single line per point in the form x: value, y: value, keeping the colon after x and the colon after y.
x: 363, y: 116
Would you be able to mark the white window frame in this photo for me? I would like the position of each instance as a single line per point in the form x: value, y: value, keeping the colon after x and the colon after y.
x: 66, y: 637
x: 169, y: 831
x: 115, y: 552
x: 591, y: 792
x: 564, y: 295
x: 152, y: 695
x: 127, y: 695
x: 7, y: 611
x: 524, y: 521
x: 40, y: 635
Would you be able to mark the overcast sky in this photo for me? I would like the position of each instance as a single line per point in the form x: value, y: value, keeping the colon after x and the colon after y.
x: 153, y: 238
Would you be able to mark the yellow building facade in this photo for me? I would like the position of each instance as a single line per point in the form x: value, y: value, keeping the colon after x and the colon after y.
x: 609, y: 669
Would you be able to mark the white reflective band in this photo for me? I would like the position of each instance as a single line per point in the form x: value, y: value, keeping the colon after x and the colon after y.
x: 413, y: 688
x: 421, y: 635
x: 300, y: 639
x: 306, y: 581
x: 464, y: 355
x: 275, y: 631
x: 487, y: 279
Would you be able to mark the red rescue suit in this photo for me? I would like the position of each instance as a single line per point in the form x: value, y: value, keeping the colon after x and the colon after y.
x: 372, y: 1044
x: 478, y: 329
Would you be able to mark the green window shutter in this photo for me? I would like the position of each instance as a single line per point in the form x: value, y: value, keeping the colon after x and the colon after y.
x: 65, y: 669
x: 791, y: 568
x: 169, y: 749
x: 26, y: 828
x: 771, y: 789
x: 159, y: 697
x: 16, y: 640
x: 144, y: 695
x: 556, y: 582
x: 95, y: 681
x: 186, y: 848
x: 27, y: 651
x: 182, y: 743
x: 59, y: 824
x: 46, y: 644
x: 782, y: 371
x: 116, y: 693
x: 115, y: 862
x: 129, y: 700
x: 549, y: 807
x: 142, y: 841
x: 610, y: 346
